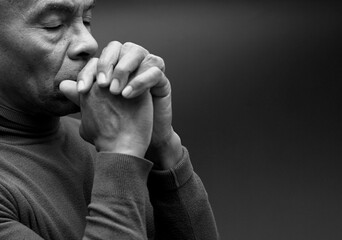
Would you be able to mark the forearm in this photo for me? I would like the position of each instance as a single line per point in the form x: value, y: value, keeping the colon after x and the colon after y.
x: 166, y: 154
x: 117, y: 209
x: 180, y: 202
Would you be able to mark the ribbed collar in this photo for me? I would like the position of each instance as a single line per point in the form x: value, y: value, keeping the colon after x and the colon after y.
x: 15, y: 125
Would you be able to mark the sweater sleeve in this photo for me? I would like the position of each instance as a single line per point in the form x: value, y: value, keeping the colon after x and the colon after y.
x: 118, y: 205
x: 117, y: 209
x: 10, y: 227
x: 180, y: 204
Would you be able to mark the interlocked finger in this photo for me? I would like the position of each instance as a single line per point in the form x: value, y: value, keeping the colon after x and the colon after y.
x: 131, y: 57
x: 87, y: 76
x: 150, y: 79
x: 107, y: 61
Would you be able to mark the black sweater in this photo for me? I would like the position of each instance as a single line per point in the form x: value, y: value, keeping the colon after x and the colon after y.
x: 53, y: 185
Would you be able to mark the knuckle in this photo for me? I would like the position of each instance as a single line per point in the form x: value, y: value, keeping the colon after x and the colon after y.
x: 120, y: 71
x: 161, y: 63
x: 129, y: 46
x: 104, y: 49
x: 81, y: 74
x: 91, y: 62
x: 151, y: 58
x: 157, y: 72
x: 114, y: 43
x: 88, y: 68
x: 138, y: 84
x: 94, y: 61
x: 101, y: 64
x: 156, y: 60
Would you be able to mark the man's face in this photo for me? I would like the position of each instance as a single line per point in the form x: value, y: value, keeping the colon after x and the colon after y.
x: 42, y: 42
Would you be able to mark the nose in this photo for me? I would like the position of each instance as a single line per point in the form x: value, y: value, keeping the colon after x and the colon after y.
x: 83, y: 45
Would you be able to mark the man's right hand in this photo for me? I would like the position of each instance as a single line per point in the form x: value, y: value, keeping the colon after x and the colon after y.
x: 129, y: 66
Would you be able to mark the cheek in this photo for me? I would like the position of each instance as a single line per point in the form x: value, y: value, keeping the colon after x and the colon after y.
x: 44, y: 59
x: 38, y: 53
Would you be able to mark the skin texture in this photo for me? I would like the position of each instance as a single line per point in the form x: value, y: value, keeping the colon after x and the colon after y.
x: 47, y: 68
x: 38, y: 52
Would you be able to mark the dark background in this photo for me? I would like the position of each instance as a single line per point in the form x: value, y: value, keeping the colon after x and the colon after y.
x: 256, y: 97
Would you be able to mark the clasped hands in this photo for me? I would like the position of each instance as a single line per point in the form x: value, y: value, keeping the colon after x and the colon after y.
x: 125, y: 102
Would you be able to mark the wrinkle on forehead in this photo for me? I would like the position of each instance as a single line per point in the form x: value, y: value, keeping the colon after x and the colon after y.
x: 15, y: 3
x: 22, y: 4
x: 20, y: 8
x: 10, y: 9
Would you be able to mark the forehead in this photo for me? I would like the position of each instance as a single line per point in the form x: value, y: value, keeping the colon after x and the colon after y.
x: 14, y: 13
x: 32, y: 5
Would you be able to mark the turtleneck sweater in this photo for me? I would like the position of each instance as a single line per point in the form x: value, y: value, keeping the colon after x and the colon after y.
x: 54, y: 185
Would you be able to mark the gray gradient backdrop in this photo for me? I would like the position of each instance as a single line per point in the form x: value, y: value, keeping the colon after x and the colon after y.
x: 256, y: 97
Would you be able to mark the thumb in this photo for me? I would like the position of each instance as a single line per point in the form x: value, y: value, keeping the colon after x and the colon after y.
x: 69, y: 89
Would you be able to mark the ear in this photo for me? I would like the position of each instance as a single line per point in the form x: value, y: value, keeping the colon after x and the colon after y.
x: 69, y: 89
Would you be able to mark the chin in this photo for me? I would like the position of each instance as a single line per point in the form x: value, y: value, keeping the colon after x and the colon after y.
x: 64, y: 108
x: 58, y: 106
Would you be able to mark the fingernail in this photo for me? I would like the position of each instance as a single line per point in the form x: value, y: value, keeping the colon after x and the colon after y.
x: 101, y: 78
x: 114, y: 87
x: 80, y: 86
x: 127, y: 91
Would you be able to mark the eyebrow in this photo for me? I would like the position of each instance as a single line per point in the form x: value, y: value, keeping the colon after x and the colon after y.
x: 91, y: 5
x: 65, y: 7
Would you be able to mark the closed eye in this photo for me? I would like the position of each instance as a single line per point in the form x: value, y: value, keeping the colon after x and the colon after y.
x: 87, y: 23
x: 54, y: 27
x: 87, y: 20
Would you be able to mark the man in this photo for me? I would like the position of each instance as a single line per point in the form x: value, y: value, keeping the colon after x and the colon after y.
x: 131, y: 178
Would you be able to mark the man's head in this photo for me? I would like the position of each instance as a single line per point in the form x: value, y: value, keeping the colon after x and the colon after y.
x: 42, y: 42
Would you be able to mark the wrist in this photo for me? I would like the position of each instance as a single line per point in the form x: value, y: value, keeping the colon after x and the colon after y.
x: 166, y: 154
x: 124, y: 145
